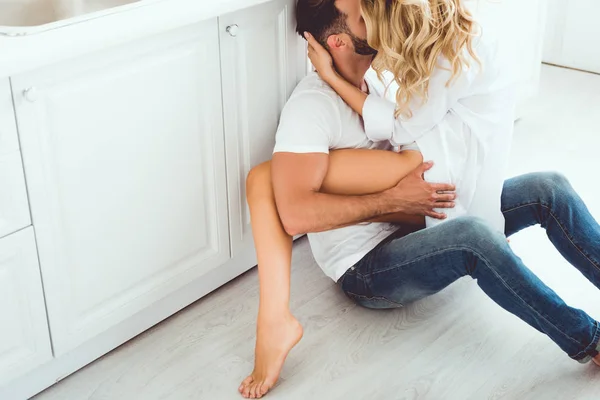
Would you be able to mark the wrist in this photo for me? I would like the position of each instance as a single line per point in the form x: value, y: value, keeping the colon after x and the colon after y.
x: 390, y: 202
x: 331, y: 76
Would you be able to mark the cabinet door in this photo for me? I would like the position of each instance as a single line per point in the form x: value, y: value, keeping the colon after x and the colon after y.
x: 24, y: 336
x: 259, y: 61
x: 573, y: 34
x: 125, y: 161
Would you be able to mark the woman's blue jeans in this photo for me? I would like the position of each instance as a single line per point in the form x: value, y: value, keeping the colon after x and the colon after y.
x: 412, y: 264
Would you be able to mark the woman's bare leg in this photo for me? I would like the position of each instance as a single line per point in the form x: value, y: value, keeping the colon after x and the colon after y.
x: 351, y: 172
x: 277, y: 331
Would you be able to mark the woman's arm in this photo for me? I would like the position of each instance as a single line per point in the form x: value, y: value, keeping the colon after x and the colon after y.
x: 323, y: 63
x: 379, y: 113
x: 377, y: 170
x: 352, y: 95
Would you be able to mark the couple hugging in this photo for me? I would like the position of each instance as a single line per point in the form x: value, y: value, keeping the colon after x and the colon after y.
x: 348, y: 169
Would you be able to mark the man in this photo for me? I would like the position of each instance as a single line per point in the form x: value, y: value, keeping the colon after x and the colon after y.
x: 386, y: 266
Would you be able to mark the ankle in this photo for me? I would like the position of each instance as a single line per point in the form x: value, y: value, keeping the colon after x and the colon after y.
x: 275, y: 316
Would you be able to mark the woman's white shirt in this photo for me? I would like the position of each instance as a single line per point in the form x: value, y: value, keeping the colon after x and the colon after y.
x: 465, y: 128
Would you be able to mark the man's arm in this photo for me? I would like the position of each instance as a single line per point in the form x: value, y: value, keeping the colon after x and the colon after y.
x: 297, y: 179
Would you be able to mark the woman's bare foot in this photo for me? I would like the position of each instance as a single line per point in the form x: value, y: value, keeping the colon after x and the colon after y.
x: 274, y: 340
x: 596, y: 360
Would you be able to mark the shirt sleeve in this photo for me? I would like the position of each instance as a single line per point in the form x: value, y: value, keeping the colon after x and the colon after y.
x: 412, y: 146
x: 378, y: 112
x: 310, y: 123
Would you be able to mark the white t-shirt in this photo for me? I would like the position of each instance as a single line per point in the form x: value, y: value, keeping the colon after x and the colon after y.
x: 315, y: 120
x: 465, y: 128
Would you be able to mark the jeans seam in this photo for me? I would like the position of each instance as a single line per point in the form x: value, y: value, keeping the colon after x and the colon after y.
x: 592, y: 346
x: 561, y: 225
x: 487, y: 263
x: 520, y: 206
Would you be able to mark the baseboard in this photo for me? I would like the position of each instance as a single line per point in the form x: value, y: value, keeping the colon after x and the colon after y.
x: 59, y: 368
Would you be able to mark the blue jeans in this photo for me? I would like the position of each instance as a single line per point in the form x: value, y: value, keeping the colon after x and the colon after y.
x: 412, y: 263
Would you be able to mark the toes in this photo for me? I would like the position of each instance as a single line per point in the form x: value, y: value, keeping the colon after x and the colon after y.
x: 253, y: 391
x: 264, y: 388
x: 246, y: 389
x: 261, y: 390
x: 245, y: 384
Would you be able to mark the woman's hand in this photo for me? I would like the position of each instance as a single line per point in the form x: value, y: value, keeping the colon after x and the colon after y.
x: 320, y: 58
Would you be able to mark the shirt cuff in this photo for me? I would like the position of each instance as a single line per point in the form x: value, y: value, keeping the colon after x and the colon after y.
x: 413, y: 146
x: 378, y: 117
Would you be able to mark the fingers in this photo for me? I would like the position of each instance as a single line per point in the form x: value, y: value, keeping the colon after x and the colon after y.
x: 444, y: 197
x: 443, y: 187
x: 448, y: 204
x: 436, y: 215
x: 311, y: 40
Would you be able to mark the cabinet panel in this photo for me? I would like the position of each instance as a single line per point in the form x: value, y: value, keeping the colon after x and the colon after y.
x: 24, y: 336
x: 125, y: 160
x: 14, y: 208
x: 8, y: 130
x: 259, y: 58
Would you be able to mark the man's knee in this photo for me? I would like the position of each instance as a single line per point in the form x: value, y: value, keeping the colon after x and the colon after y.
x: 258, y: 181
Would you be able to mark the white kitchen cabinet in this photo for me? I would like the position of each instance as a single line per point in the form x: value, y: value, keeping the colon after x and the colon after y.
x: 259, y: 61
x: 124, y: 155
x: 573, y: 34
x: 25, y: 340
x: 135, y: 156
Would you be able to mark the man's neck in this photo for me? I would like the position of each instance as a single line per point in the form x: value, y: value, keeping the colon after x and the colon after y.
x: 354, y: 70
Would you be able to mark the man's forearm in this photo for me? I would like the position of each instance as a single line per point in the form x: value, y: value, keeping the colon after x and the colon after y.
x: 320, y: 212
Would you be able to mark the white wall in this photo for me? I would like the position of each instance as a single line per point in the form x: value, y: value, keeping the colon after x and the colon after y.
x: 572, y: 36
x: 519, y: 27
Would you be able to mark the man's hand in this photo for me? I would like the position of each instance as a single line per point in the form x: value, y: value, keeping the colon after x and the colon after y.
x: 414, y: 196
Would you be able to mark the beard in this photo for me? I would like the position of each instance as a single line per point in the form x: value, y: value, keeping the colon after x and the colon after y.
x: 361, y: 46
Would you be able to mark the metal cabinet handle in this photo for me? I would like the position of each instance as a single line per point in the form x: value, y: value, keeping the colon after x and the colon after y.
x: 233, y: 30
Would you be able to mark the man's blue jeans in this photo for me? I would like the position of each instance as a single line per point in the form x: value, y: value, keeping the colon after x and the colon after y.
x: 413, y: 264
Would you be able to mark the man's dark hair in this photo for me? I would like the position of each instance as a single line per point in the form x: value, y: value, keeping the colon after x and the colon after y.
x: 320, y: 18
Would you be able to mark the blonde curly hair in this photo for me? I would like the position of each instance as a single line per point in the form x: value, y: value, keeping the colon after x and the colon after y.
x: 411, y: 35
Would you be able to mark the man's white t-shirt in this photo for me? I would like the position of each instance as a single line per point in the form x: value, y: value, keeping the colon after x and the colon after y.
x: 315, y: 120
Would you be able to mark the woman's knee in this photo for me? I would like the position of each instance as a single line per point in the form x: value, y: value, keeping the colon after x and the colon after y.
x: 258, y: 181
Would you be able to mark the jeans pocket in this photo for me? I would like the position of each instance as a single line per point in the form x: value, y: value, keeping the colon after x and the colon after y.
x: 372, y: 302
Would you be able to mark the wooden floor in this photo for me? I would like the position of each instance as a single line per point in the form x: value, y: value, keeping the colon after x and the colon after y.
x: 455, y: 345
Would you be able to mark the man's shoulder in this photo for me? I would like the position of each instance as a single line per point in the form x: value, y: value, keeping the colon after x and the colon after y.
x: 313, y: 90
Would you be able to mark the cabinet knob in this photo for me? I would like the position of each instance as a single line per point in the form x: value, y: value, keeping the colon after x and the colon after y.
x: 233, y: 30
x: 31, y: 94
